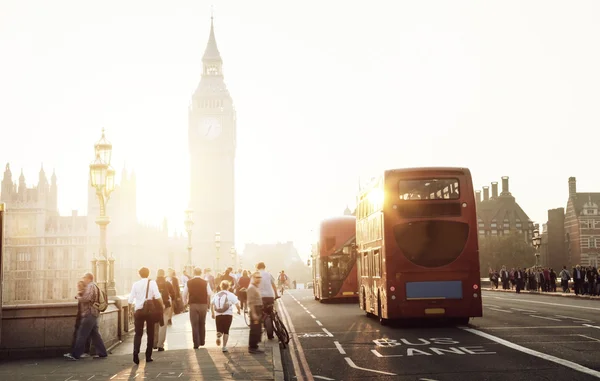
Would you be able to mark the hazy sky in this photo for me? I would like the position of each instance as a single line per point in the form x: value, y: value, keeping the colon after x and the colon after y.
x: 325, y: 91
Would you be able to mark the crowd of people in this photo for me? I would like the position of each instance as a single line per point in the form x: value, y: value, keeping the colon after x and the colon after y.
x: 155, y: 301
x: 582, y: 280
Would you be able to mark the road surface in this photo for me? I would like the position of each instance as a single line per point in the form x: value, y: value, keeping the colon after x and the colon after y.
x: 520, y: 337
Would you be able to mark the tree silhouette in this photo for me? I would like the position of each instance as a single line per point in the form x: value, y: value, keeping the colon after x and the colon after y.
x: 509, y: 250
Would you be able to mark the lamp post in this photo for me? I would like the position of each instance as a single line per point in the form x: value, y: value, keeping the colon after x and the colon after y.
x: 189, y: 223
x: 218, y: 247
x: 233, y: 254
x: 102, y: 178
x: 537, y: 241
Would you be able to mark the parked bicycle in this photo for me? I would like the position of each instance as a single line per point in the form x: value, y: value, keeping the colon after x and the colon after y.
x: 273, y: 324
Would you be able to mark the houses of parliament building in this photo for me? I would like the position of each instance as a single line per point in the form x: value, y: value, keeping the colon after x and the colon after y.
x: 45, y: 254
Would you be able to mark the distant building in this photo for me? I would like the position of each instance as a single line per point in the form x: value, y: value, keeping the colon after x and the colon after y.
x: 553, y: 251
x: 582, y: 227
x: 500, y: 214
x: 277, y: 257
x: 45, y: 254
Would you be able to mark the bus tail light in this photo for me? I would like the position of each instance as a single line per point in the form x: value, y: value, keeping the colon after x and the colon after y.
x: 475, y: 287
x: 392, y: 289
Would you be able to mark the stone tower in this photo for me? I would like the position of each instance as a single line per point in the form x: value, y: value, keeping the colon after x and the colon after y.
x: 212, y: 143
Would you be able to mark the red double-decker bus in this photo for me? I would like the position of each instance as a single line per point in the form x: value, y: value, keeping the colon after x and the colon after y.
x: 334, y: 259
x: 416, y: 233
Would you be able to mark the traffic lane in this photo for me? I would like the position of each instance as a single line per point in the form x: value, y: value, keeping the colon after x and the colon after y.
x: 572, y: 336
x: 407, y: 352
x: 584, y: 309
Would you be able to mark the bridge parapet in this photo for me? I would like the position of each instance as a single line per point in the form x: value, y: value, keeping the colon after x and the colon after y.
x: 46, y: 330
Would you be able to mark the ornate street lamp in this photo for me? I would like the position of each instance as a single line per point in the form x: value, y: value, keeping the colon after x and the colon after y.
x: 233, y: 254
x: 218, y: 247
x: 189, y: 223
x: 102, y: 179
x: 537, y: 241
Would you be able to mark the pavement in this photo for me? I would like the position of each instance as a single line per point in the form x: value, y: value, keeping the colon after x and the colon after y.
x: 558, y: 293
x: 179, y: 360
x: 520, y: 337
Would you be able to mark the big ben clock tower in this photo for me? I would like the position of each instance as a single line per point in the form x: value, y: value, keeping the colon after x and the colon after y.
x: 212, y: 134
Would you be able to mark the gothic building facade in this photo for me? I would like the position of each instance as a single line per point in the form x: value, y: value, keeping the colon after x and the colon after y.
x: 212, y: 147
x: 45, y: 254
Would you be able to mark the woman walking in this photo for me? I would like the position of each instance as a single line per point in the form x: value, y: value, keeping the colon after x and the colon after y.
x: 221, y: 309
x: 168, y: 296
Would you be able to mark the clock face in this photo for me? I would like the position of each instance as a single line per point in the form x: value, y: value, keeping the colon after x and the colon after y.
x: 210, y: 128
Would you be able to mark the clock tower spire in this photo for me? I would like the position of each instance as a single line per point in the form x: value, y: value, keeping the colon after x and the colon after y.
x: 212, y: 145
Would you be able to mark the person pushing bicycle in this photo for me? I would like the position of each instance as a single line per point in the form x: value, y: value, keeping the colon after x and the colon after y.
x: 268, y: 291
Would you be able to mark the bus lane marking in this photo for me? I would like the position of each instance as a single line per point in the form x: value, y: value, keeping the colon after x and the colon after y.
x: 543, y: 356
x: 339, y: 347
x: 353, y: 365
x: 434, y: 346
x: 544, y: 317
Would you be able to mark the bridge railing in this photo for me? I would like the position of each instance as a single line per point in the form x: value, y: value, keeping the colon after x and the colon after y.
x: 46, y: 330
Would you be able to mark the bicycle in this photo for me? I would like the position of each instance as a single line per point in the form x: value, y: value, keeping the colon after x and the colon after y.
x: 276, y: 325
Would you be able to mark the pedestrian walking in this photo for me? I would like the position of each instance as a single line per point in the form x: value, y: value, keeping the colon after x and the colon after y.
x: 168, y: 297
x: 91, y: 304
x: 255, y: 309
x: 197, y: 293
x: 221, y: 309
x: 88, y: 343
x: 141, y: 291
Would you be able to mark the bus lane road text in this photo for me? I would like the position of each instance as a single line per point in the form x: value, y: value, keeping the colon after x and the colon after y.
x: 435, y: 346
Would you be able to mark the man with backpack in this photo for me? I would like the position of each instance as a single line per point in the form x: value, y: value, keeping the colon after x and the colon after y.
x: 221, y: 309
x: 93, y: 302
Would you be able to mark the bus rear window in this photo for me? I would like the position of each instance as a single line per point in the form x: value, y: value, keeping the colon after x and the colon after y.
x: 431, y: 243
x: 429, y: 189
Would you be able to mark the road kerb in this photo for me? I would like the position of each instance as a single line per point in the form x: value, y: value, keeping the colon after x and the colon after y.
x: 278, y: 372
x: 559, y: 295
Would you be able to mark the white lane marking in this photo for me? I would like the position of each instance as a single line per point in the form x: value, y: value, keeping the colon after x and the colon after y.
x: 543, y: 327
x: 295, y: 342
x: 376, y: 353
x: 339, y: 347
x: 548, y: 303
x: 313, y: 316
x: 353, y: 365
x: 543, y: 356
x: 574, y: 318
x: 591, y: 338
x: 543, y: 317
x: 324, y: 378
x: 490, y: 305
x: 319, y: 323
x: 327, y: 332
x: 499, y: 310
x: 522, y: 310
x: 427, y: 379
x: 591, y: 326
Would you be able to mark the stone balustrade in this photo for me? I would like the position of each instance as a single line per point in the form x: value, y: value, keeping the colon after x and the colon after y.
x: 46, y: 330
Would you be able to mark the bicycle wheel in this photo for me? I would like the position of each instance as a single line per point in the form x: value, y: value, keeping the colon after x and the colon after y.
x: 280, y: 330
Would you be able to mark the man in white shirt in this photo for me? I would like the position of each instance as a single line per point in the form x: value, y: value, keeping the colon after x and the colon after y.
x: 268, y: 291
x: 197, y: 293
x: 142, y: 290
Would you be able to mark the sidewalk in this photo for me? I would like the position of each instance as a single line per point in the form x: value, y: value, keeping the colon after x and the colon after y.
x: 179, y: 360
x: 559, y: 294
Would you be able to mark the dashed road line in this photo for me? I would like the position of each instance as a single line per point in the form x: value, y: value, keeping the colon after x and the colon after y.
x: 327, y: 332
x: 591, y: 338
x: 324, y: 378
x: 543, y: 356
x: 339, y: 347
x: 319, y: 323
x: 591, y: 326
x: 313, y: 316
x: 522, y: 310
x: 295, y: 344
x: 544, y: 317
x: 499, y: 310
x: 573, y: 318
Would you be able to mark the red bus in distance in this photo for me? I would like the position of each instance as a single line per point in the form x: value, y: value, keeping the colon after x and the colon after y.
x: 416, y: 234
x: 334, y: 260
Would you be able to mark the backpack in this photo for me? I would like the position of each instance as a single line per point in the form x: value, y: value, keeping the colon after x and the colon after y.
x: 102, y: 303
x: 225, y: 306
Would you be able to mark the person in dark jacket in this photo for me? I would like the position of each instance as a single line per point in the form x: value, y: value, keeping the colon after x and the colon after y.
x: 168, y: 296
